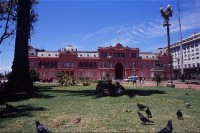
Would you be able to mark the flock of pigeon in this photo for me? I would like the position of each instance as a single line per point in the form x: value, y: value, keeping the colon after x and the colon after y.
x: 169, y: 127
x: 41, y: 128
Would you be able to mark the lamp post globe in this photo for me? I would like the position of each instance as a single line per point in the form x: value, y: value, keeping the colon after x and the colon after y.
x: 109, y: 58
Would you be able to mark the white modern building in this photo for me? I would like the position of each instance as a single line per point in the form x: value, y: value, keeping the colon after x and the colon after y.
x: 190, y: 53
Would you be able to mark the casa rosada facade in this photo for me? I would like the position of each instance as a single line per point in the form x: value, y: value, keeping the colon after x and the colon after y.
x: 119, y: 61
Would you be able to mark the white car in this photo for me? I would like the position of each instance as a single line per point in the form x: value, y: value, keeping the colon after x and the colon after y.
x: 131, y: 78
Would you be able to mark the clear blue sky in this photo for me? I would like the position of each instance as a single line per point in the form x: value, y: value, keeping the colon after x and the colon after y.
x: 88, y: 24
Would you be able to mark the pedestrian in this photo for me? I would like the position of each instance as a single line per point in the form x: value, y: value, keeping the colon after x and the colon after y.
x: 142, y: 80
x: 134, y: 81
x: 119, y: 89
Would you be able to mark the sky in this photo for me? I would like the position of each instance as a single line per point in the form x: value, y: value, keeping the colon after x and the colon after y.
x: 89, y: 24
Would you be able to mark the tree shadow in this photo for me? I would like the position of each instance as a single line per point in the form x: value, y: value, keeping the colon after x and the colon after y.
x: 129, y: 92
x: 21, y: 110
x: 24, y: 96
x: 133, y: 92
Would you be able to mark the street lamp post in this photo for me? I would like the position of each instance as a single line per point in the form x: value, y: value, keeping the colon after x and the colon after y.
x: 42, y: 70
x: 166, y: 13
x: 109, y: 57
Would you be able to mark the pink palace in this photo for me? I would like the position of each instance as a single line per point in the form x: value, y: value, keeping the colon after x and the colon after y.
x: 119, y: 61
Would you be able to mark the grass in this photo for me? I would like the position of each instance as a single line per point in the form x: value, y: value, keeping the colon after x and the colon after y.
x: 57, y: 107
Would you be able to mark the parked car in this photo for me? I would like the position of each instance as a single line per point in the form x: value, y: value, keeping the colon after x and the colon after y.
x: 47, y: 79
x: 131, y: 78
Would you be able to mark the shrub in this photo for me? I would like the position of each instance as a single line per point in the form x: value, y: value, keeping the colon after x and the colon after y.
x: 157, y: 79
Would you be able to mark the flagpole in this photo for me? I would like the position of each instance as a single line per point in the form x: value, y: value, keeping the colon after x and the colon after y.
x: 118, y: 34
x: 181, y: 47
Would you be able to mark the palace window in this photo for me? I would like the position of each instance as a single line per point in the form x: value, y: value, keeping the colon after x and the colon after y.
x: 68, y: 64
x: 62, y: 64
x: 95, y: 74
x: 133, y: 55
x: 80, y: 74
x: 103, y: 54
x: 103, y: 64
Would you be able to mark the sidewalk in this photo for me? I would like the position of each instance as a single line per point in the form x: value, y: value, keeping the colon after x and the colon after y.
x: 181, y: 85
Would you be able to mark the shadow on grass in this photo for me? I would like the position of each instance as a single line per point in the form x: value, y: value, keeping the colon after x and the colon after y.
x: 133, y: 92
x: 22, y: 110
x: 24, y: 96
x: 129, y: 92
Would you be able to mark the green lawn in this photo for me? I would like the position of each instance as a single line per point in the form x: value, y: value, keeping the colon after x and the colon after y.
x: 57, y: 107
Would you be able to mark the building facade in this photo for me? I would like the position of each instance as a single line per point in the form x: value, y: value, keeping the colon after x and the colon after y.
x: 191, y: 56
x: 119, y: 61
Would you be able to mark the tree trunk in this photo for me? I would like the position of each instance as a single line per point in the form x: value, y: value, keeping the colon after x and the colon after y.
x: 20, y: 79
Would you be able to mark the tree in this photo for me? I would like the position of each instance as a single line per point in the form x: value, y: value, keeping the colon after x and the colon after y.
x: 8, y: 12
x: 8, y: 17
x: 20, y: 78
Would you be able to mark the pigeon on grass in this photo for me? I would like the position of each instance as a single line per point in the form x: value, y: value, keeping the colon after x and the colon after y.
x: 141, y: 106
x: 179, y: 114
x: 144, y: 119
x: 148, y: 112
x: 188, y: 105
x: 41, y: 128
x: 168, y: 128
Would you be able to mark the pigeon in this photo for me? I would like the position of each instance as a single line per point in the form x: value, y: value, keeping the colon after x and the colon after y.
x: 10, y: 108
x: 41, y: 128
x: 141, y: 106
x: 148, y: 112
x: 144, y: 119
x: 179, y: 114
x: 168, y: 128
x: 188, y: 105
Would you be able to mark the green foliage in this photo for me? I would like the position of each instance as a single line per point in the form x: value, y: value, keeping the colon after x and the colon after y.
x: 157, y: 79
x: 66, y: 80
x: 8, y: 17
x: 35, y: 76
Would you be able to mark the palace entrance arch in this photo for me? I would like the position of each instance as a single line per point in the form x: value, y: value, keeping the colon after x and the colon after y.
x: 118, y: 71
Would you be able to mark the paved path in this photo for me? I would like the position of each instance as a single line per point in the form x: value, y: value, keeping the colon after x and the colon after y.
x: 181, y: 85
x: 178, y: 84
